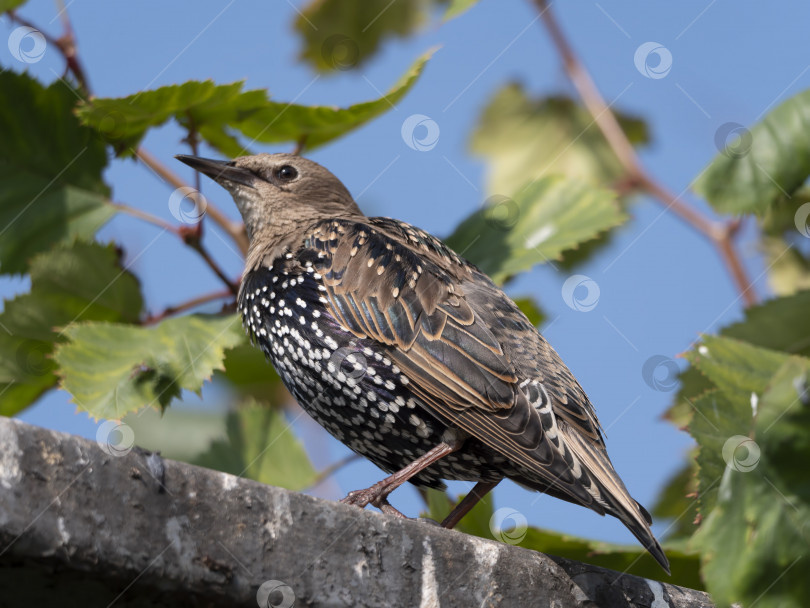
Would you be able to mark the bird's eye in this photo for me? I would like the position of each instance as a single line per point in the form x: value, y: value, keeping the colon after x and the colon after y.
x: 286, y: 173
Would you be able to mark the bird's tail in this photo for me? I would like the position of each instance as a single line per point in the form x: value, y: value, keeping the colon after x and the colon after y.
x: 614, y: 496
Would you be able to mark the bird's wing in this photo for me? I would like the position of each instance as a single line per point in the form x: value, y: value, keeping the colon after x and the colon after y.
x: 472, y: 358
x: 396, y: 284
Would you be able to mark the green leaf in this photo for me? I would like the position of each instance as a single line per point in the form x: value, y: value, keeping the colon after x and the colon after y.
x: 764, y: 166
x: 755, y: 542
x: 81, y: 282
x: 7, y: 5
x: 247, y: 372
x: 458, y: 7
x: 779, y: 324
x: 210, y: 109
x: 50, y: 168
x: 317, y: 125
x: 527, y: 139
x: 476, y: 522
x: 735, y: 367
x: 220, y: 112
x: 344, y: 34
x: 739, y: 373
x: 544, y: 219
x: 261, y: 446
x: 111, y: 370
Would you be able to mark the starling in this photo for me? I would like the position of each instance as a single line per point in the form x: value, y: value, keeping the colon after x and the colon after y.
x: 406, y: 352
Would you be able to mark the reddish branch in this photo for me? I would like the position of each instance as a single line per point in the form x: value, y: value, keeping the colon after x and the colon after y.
x: 189, y: 305
x: 721, y: 234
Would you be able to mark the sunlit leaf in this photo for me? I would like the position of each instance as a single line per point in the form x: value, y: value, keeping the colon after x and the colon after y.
x: 50, y: 168
x: 221, y: 113
x: 526, y: 139
x: 81, y: 282
x: 111, y: 370
x: 542, y: 220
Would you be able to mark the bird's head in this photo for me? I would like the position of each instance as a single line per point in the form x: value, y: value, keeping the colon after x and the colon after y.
x: 277, y: 192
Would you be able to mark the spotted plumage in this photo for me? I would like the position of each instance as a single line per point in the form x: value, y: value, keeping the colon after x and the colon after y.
x: 397, y: 345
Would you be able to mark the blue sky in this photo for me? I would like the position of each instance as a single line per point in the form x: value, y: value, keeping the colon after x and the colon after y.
x: 661, y: 284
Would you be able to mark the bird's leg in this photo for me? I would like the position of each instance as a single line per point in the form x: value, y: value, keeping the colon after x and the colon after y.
x: 377, y: 494
x: 468, y: 502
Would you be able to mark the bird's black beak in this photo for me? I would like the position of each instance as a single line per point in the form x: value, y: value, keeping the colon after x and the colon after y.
x: 219, y: 170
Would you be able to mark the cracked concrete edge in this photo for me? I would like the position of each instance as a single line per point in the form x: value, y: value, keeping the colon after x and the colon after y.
x: 83, y: 525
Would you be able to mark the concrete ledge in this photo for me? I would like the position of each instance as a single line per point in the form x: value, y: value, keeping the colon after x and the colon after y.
x: 81, y: 527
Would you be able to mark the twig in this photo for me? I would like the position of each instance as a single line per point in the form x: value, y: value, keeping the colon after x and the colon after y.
x: 189, y: 305
x: 66, y: 44
x: 235, y: 230
x: 299, y: 145
x: 720, y: 234
x: 191, y: 237
x: 146, y: 217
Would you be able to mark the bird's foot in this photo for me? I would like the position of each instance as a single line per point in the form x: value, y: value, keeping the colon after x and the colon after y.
x: 376, y: 496
x: 363, y: 498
